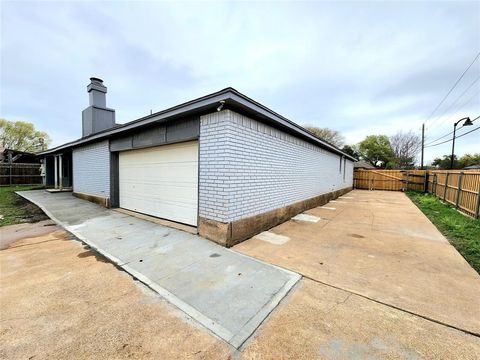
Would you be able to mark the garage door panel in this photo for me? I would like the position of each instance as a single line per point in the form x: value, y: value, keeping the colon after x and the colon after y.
x: 161, y: 181
x: 183, y: 174
x: 167, y: 196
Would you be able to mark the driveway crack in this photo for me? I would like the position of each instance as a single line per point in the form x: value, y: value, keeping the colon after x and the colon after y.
x: 338, y: 304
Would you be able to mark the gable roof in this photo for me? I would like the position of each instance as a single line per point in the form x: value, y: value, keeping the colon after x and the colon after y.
x: 231, y: 97
x: 17, y: 156
x: 363, y: 164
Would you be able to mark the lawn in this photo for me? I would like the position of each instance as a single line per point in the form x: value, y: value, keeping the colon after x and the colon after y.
x: 14, y: 209
x: 462, y: 232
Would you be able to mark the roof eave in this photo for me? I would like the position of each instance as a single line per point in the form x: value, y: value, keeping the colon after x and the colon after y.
x: 263, y: 110
x: 196, y: 106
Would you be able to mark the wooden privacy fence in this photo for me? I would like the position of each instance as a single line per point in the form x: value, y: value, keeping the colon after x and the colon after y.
x: 393, y: 180
x: 460, y: 188
x: 20, y: 174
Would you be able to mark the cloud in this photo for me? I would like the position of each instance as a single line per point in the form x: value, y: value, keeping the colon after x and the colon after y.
x: 358, y: 67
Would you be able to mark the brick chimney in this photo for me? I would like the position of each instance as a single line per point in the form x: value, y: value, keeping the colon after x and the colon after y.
x: 97, y: 117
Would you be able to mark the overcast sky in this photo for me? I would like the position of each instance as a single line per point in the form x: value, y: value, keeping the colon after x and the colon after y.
x: 358, y: 67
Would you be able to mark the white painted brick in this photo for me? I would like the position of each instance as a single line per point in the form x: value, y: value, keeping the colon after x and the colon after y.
x: 250, y: 168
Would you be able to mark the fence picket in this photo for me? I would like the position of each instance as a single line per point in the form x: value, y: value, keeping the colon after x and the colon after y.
x: 459, y: 189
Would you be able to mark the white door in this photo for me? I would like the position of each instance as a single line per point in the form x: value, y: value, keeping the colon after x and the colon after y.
x: 161, y: 181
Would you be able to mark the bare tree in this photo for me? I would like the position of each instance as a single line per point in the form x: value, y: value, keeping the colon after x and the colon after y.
x: 405, y: 147
x: 332, y: 136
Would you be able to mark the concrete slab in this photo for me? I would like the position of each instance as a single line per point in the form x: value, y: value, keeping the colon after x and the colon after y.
x: 229, y: 293
x: 320, y: 322
x: 272, y: 238
x: 380, y: 245
x: 306, y: 217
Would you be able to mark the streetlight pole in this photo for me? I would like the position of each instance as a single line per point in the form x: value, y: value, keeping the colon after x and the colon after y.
x: 468, y: 122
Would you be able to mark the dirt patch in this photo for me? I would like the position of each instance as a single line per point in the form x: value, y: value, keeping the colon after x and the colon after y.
x: 32, y: 211
x: 23, y: 211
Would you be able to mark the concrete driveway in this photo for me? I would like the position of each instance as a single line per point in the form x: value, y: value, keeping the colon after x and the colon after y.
x: 79, y: 305
x: 228, y: 293
x: 380, y: 246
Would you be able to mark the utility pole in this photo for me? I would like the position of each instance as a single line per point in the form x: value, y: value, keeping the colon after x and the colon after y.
x: 423, y: 144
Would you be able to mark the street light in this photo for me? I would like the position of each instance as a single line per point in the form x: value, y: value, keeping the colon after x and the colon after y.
x: 468, y: 122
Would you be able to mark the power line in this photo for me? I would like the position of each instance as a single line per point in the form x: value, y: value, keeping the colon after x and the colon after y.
x: 475, y: 95
x: 453, y: 87
x: 438, y: 117
x: 450, y: 133
x: 456, y: 137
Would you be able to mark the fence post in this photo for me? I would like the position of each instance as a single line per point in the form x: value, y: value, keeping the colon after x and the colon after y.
x: 446, y: 186
x: 425, y: 185
x: 459, y: 189
x: 406, y: 183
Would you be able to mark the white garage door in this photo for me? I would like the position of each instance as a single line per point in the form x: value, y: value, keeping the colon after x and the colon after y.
x: 161, y: 181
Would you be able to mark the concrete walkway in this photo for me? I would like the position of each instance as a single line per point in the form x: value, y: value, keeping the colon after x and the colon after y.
x: 227, y: 292
x: 379, y: 245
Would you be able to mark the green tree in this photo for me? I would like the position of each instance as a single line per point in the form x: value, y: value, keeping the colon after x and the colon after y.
x: 332, y: 136
x: 444, y: 162
x: 469, y: 159
x: 377, y: 150
x: 458, y: 163
x: 22, y: 136
x: 351, y: 150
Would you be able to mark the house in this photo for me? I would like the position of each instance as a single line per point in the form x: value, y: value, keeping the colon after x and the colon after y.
x: 222, y: 163
x: 19, y: 168
x: 472, y: 167
x: 10, y: 156
x: 362, y: 164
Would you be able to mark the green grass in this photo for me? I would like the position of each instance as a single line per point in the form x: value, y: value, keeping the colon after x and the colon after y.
x: 14, y: 209
x: 462, y: 232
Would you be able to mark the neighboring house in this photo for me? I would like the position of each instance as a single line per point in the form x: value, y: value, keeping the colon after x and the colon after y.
x: 362, y: 164
x: 223, y: 163
x: 472, y: 167
x: 19, y: 168
x: 10, y: 156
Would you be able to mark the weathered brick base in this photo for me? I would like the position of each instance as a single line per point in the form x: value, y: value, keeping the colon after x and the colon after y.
x: 229, y: 234
x: 100, y: 200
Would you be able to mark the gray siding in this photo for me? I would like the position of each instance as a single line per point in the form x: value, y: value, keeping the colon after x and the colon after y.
x: 247, y: 168
x: 176, y: 131
x: 91, y: 169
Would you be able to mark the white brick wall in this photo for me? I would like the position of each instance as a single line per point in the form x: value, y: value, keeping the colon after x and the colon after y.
x: 247, y: 168
x: 91, y: 169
